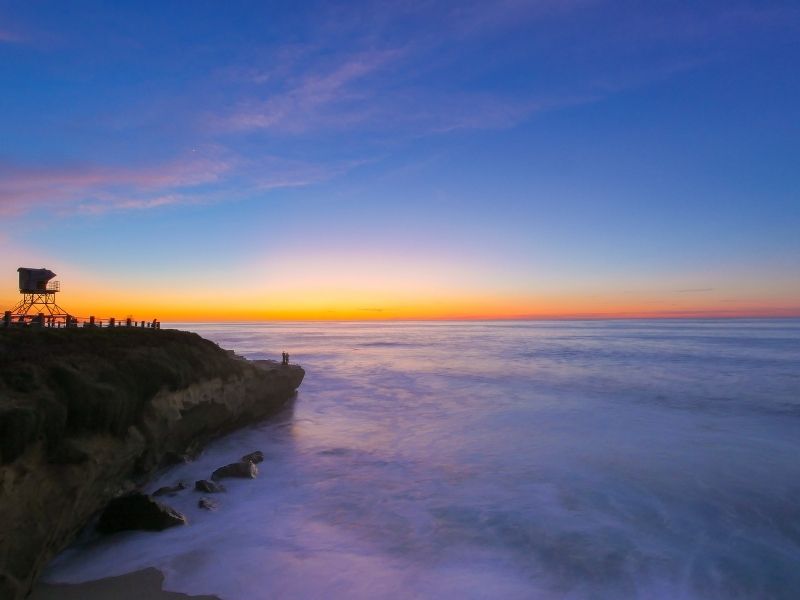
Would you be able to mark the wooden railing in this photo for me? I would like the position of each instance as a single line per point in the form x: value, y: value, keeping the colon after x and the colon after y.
x: 69, y: 321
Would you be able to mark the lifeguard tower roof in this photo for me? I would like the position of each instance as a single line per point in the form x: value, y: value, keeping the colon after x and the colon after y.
x: 34, y: 280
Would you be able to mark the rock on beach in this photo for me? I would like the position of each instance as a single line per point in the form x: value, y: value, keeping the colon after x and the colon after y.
x: 243, y: 469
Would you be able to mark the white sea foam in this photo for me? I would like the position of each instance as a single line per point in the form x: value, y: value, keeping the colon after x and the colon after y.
x: 499, y: 460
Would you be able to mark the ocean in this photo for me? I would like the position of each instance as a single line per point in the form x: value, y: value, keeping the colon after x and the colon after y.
x: 554, y: 459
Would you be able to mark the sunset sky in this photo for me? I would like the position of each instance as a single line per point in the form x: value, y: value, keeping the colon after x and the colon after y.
x: 382, y: 160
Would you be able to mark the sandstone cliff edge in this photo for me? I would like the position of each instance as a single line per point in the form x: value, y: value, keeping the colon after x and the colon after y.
x: 87, y: 414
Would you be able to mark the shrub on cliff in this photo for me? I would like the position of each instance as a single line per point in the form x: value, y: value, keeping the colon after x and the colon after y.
x: 57, y: 382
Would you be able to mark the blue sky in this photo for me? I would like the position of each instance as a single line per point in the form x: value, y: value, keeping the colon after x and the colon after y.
x: 430, y: 158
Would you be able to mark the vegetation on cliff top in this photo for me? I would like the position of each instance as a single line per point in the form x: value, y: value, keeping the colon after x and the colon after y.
x: 56, y: 383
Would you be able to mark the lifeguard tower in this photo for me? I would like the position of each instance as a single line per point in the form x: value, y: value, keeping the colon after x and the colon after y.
x: 38, y: 297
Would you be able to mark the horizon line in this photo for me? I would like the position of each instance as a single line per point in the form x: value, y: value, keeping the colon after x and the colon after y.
x: 504, y: 319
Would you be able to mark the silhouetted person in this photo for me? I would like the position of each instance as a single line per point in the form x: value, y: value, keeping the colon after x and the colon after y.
x: 287, y: 359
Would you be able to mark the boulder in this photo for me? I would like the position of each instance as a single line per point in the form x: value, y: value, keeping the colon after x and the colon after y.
x: 207, y: 504
x: 170, y: 490
x: 243, y: 469
x: 254, y: 457
x: 138, y: 511
x: 208, y: 487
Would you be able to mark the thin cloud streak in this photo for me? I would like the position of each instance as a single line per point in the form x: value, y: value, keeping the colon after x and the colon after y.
x: 97, y: 189
x: 339, y: 99
x: 304, y: 105
x: 10, y: 37
x: 372, y: 87
x: 23, y: 187
x: 121, y: 204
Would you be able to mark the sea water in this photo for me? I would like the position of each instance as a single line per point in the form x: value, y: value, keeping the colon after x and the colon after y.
x: 598, y: 459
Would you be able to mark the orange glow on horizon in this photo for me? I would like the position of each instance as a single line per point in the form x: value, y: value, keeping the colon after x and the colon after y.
x: 351, y: 291
x: 207, y: 306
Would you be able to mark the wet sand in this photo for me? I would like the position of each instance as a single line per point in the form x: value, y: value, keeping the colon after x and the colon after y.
x: 137, y: 585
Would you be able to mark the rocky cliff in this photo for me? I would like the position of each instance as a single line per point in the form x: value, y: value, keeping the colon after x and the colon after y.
x: 87, y: 414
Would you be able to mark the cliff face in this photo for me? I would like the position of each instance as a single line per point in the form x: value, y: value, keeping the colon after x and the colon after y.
x: 86, y: 414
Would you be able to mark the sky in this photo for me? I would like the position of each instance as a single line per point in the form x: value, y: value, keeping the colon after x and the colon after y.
x: 403, y: 160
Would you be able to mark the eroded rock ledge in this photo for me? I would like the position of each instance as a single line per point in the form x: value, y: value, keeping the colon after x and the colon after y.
x: 86, y: 415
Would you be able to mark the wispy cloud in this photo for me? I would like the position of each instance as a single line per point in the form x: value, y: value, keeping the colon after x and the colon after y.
x: 299, y: 89
x: 323, y: 97
x: 120, y: 203
x: 358, y: 95
x: 24, y: 186
x: 370, y: 77
x: 98, y: 189
x: 376, y: 82
x: 10, y: 37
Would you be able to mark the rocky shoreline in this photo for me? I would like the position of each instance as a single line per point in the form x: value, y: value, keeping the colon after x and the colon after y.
x: 87, y: 416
